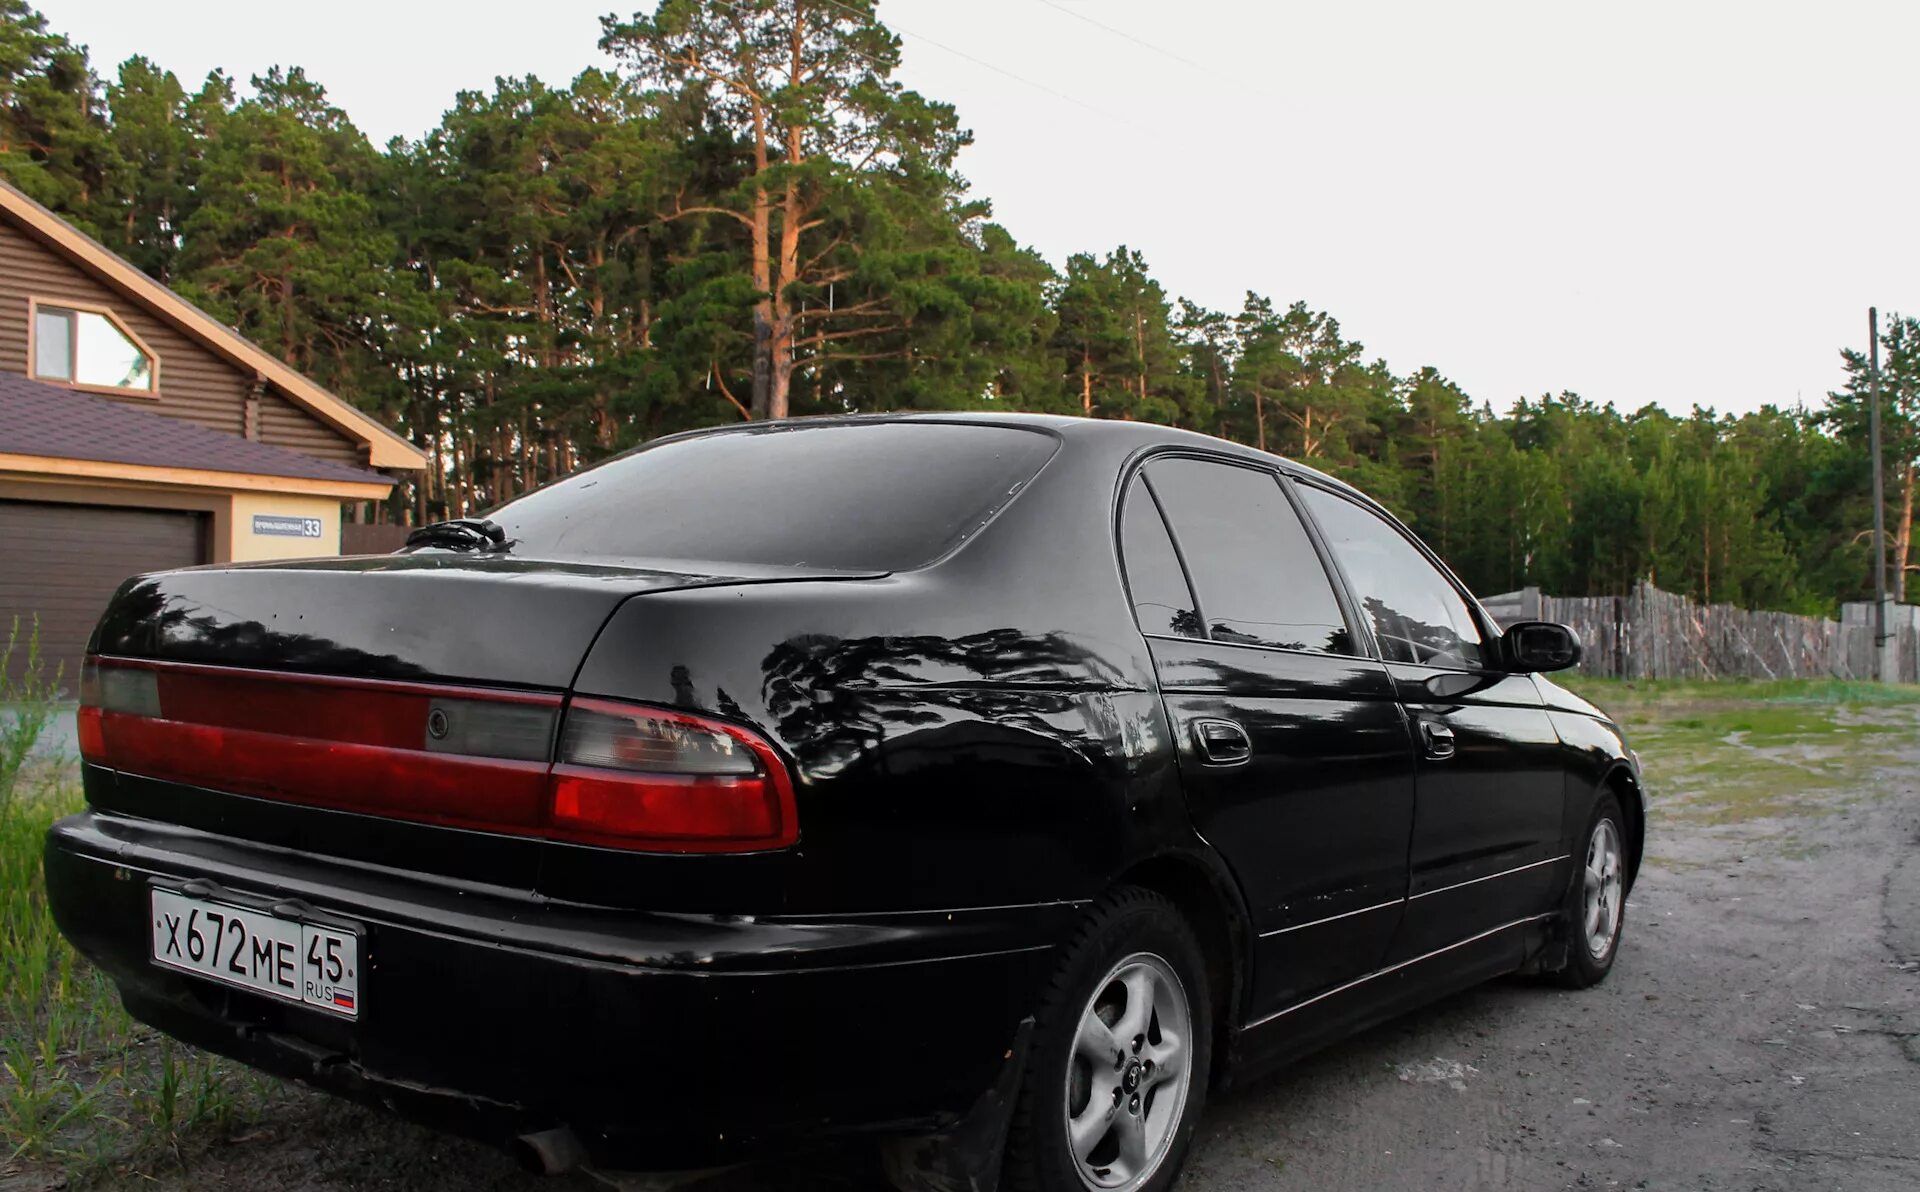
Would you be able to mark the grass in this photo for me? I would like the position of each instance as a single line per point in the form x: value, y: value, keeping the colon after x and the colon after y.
x: 1730, y: 753
x: 83, y: 1087
x: 1751, y: 692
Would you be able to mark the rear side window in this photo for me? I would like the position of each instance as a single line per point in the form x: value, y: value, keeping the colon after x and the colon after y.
x: 879, y: 496
x: 1254, y: 569
x: 1416, y: 612
x: 1162, y: 602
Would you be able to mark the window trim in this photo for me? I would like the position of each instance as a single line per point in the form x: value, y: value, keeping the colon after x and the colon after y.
x: 35, y: 305
x: 1139, y: 476
x: 1489, y: 640
x: 1336, y: 580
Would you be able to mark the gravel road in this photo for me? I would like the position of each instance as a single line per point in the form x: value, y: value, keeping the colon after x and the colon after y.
x: 1761, y: 1030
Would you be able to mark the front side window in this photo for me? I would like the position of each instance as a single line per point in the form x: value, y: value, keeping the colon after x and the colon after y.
x: 1416, y: 613
x: 1254, y: 570
x: 85, y: 347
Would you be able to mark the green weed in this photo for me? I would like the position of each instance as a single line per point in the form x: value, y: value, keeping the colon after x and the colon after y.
x: 28, y: 703
x: 1721, y: 754
x: 80, y: 1086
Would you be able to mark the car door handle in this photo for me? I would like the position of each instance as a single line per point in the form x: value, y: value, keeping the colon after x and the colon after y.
x: 1438, y: 738
x: 1222, y: 742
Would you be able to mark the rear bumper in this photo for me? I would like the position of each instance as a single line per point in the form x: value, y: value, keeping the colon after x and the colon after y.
x: 664, y: 1041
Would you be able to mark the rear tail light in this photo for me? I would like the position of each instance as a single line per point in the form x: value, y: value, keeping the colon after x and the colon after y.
x: 626, y: 776
x: 650, y: 778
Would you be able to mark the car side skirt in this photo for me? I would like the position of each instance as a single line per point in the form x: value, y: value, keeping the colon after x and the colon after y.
x: 1305, y: 1026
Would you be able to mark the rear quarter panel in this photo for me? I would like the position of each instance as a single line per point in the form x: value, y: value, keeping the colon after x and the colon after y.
x: 982, y: 732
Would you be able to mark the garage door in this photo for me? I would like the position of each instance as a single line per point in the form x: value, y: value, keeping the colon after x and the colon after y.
x: 62, y: 562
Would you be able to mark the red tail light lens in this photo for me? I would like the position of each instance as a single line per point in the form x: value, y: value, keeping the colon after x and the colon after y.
x: 637, y: 777
x: 626, y: 776
x: 373, y: 747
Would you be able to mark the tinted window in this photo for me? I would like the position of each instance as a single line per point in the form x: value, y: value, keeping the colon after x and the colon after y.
x: 1161, y: 599
x: 1254, y: 569
x: 1416, y: 613
x: 883, y: 496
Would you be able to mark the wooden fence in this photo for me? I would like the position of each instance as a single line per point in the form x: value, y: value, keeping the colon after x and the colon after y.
x: 369, y: 538
x: 1652, y: 634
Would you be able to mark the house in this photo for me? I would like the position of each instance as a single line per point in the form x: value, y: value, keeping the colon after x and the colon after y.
x: 138, y: 433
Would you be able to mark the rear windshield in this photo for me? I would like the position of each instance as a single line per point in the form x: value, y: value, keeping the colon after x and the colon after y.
x: 881, y: 496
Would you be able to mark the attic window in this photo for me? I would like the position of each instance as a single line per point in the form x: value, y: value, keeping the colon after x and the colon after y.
x: 90, y: 348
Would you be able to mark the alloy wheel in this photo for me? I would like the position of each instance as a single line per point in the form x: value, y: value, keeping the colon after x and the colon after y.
x: 1128, y: 1078
x: 1602, y: 888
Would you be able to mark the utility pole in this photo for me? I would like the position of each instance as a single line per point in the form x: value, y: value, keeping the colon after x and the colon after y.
x: 1882, y: 654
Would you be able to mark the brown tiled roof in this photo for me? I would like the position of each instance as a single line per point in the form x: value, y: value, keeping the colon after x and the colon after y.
x: 51, y: 420
x: 388, y: 449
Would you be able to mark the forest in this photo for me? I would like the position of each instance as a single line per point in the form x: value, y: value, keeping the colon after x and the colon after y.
x: 749, y: 216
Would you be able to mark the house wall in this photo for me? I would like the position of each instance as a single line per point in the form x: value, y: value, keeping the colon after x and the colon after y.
x: 232, y: 534
x: 195, y: 384
x: 249, y: 544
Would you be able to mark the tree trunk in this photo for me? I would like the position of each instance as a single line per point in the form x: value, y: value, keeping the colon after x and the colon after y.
x: 1140, y: 350
x: 1259, y: 420
x: 1706, y: 559
x: 781, y: 332
x: 780, y: 341
x: 762, y: 365
x: 1216, y: 394
x: 762, y: 277
x: 1903, y: 536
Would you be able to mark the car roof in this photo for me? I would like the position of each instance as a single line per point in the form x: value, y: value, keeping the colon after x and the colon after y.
x: 1128, y: 435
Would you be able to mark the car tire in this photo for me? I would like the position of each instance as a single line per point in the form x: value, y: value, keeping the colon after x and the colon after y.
x: 1595, y: 913
x: 1133, y: 982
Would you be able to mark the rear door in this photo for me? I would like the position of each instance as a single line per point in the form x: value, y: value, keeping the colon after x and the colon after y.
x: 1295, y: 758
x: 1486, y: 834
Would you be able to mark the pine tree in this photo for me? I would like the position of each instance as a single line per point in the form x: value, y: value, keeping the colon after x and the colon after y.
x: 53, y: 128
x: 834, y: 143
x: 284, y: 243
x: 1848, y: 413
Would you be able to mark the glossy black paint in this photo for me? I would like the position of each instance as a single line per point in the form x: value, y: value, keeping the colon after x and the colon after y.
x: 1315, y: 824
x: 1488, y: 825
x: 979, y: 747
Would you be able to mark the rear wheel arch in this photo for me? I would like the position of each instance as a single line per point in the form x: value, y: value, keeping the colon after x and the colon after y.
x: 1211, y: 904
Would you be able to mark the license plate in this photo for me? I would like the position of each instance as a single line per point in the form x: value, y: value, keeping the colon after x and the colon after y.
x: 290, y: 959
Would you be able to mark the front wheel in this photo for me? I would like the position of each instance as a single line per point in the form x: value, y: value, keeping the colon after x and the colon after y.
x: 1595, y: 911
x: 1122, y: 1052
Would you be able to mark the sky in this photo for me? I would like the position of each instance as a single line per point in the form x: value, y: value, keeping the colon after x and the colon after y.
x: 1682, y: 202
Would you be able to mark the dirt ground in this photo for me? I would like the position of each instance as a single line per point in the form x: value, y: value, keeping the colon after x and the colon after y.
x: 1761, y: 1030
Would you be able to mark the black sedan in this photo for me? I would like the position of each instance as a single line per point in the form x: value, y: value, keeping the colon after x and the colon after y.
x: 995, y: 786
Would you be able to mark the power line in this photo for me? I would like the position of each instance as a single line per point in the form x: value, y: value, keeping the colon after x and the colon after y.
x: 938, y: 45
x: 1122, y: 33
x: 999, y: 70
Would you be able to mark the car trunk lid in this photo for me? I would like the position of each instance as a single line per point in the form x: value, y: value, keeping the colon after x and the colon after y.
x: 429, y: 616
x: 399, y: 711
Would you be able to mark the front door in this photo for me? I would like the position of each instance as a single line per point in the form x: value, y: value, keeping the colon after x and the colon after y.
x: 1294, y: 755
x: 1491, y: 792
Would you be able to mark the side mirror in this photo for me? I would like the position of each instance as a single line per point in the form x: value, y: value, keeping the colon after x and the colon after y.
x: 1531, y: 646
